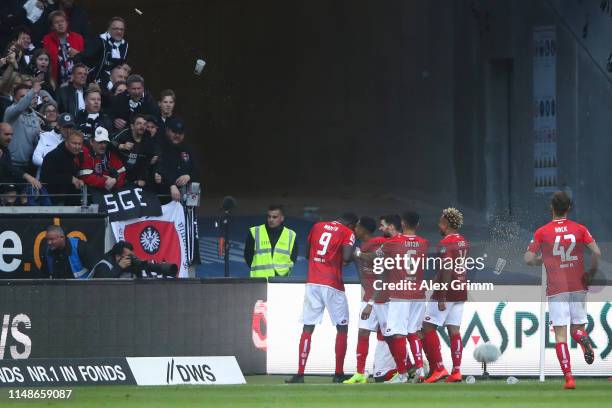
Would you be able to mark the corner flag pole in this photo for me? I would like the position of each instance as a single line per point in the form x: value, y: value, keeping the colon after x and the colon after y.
x: 543, y: 326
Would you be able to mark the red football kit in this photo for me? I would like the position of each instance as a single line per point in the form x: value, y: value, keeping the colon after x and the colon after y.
x: 561, y: 243
x: 326, y: 240
x: 453, y: 247
x: 366, y: 269
x: 414, y: 249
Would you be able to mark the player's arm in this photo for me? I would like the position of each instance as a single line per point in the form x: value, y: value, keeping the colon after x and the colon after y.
x: 347, y: 248
x: 365, y: 314
x: 369, y: 256
x: 347, y: 254
x: 595, y: 257
x: 532, y: 259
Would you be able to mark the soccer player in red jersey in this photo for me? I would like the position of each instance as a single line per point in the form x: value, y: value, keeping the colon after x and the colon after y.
x: 446, y: 305
x: 419, y: 247
x: 406, y: 298
x: 329, y: 245
x: 369, y: 322
x: 560, y: 245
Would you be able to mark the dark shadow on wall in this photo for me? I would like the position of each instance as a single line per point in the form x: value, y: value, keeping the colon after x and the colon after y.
x: 304, y: 96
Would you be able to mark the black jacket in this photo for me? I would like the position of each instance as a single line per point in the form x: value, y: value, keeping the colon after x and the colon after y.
x: 58, y: 168
x: 88, y: 125
x: 103, y: 270
x: 138, y: 160
x: 174, y: 161
x: 274, y: 235
x: 8, y: 173
x: 61, y: 265
x: 98, y: 56
x: 121, y: 106
x: 67, y: 100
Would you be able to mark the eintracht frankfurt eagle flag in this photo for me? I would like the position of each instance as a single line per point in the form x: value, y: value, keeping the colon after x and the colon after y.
x: 157, y: 239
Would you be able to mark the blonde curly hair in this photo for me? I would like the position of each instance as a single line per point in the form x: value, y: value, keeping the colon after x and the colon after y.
x: 454, y: 217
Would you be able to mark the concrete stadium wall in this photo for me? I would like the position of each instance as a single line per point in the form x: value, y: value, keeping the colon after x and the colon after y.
x: 397, y: 95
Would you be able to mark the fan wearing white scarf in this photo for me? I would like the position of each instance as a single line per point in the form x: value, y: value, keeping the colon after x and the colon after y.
x: 116, y: 47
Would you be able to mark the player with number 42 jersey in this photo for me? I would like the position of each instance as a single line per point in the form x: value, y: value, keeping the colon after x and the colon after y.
x: 560, y: 245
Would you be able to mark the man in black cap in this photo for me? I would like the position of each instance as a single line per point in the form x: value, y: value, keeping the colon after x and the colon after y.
x: 175, y: 168
x: 51, y: 139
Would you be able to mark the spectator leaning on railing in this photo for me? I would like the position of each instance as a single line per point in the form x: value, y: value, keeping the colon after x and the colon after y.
x: 50, y: 139
x: 60, y: 170
x: 176, y: 166
x: 101, y: 168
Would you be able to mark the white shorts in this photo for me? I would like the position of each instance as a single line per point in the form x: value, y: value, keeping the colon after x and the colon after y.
x: 317, y: 298
x: 566, y: 308
x: 383, y: 360
x: 378, y: 317
x: 451, y: 316
x: 404, y: 317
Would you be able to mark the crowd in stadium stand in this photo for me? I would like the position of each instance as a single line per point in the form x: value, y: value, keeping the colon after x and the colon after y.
x: 74, y: 113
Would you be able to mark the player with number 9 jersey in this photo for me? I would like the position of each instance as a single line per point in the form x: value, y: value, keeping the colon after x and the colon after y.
x: 326, y: 240
x: 329, y: 245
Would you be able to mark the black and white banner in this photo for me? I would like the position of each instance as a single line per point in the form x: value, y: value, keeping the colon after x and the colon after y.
x: 121, y: 371
x: 128, y: 203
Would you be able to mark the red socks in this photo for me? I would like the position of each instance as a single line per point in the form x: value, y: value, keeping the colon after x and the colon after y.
x: 433, y: 350
x: 577, y: 335
x: 303, y: 352
x: 456, y: 347
x: 397, y: 345
x: 563, y: 357
x: 415, y: 347
x: 363, y: 343
x: 340, y: 351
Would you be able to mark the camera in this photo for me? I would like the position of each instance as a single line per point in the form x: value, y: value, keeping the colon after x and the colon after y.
x: 163, y: 269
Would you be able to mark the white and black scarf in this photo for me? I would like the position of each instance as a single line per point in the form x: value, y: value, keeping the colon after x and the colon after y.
x: 115, y: 52
x: 65, y: 62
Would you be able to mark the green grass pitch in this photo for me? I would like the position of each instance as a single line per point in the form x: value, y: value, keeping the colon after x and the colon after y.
x: 269, y: 391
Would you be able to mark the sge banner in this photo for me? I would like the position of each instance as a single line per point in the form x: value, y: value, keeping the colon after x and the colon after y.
x: 22, y: 239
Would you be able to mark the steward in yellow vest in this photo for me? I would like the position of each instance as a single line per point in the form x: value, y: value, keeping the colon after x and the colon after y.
x: 270, y: 249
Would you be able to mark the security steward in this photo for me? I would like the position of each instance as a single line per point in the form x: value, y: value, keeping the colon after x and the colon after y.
x: 271, y: 249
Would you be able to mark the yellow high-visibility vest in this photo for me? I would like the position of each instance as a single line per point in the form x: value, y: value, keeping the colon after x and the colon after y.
x: 266, y: 262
